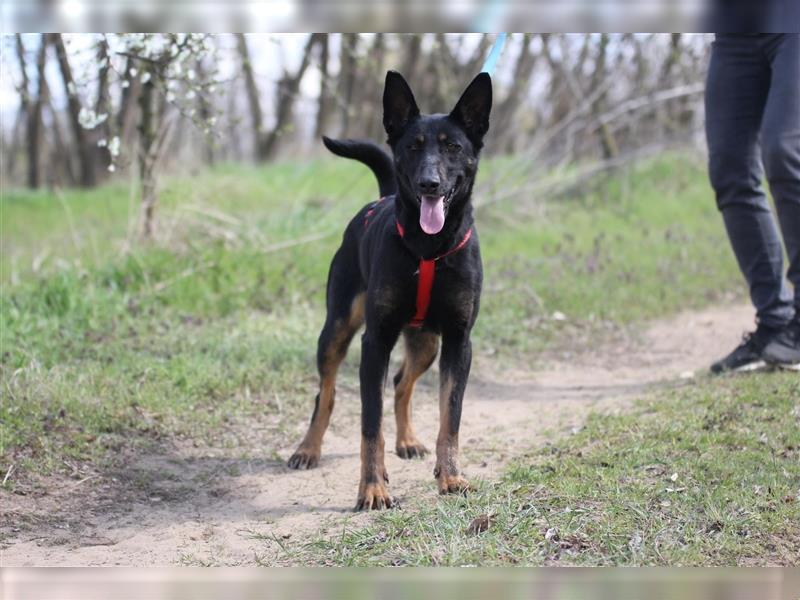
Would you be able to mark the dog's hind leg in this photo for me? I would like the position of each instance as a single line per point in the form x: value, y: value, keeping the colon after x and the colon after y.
x: 421, y: 348
x: 345, y: 317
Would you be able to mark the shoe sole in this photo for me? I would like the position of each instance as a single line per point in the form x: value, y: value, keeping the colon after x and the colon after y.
x: 786, y: 367
x: 750, y: 368
x: 756, y: 366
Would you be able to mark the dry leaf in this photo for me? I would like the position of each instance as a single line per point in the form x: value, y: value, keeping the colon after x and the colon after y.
x: 480, y: 524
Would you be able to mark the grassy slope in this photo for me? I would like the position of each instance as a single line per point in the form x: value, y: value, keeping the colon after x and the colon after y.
x: 706, y: 475
x: 107, y: 344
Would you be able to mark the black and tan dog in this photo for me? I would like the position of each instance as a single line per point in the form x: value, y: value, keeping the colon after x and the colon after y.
x: 409, y: 264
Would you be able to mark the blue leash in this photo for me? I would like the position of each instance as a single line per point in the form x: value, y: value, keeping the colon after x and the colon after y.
x: 491, y: 60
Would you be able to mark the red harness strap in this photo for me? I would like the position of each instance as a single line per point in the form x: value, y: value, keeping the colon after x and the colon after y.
x: 427, y: 273
x: 427, y: 270
x: 372, y: 210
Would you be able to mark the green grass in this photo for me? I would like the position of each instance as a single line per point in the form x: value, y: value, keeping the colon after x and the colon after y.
x: 109, y: 343
x: 704, y: 475
x: 632, y: 247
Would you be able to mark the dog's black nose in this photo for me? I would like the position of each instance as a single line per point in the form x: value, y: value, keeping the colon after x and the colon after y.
x: 428, y: 185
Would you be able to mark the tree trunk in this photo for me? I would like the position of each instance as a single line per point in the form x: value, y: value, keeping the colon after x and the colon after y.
x: 205, y: 112
x: 325, y: 101
x: 607, y: 141
x: 671, y: 60
x: 560, y: 97
x: 288, y: 89
x: 62, y: 154
x: 126, y: 118
x: 372, y: 89
x: 412, y: 52
x: 24, y: 110
x: 82, y: 137
x: 252, y: 96
x: 675, y: 115
x: 147, y: 147
x: 440, y: 83
x: 347, y: 75
x: 12, y: 148
x: 102, y: 156
x: 233, y: 149
x: 24, y: 89
x: 35, y: 125
x: 479, y: 55
x: 505, y: 130
x: 641, y: 62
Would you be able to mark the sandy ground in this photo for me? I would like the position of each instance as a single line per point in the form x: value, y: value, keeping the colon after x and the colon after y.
x: 191, y: 508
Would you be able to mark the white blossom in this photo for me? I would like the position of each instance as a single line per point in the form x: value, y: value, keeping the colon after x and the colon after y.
x: 102, y: 143
x: 89, y: 119
x: 136, y: 39
x: 153, y: 45
x: 145, y: 76
x: 126, y: 83
x: 111, y: 168
x: 113, y: 147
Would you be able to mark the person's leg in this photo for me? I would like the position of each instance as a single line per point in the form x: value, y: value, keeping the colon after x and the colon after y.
x: 739, y: 79
x: 780, y: 139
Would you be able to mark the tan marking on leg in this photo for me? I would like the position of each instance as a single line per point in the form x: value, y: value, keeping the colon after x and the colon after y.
x: 308, y: 453
x: 357, y: 308
x: 447, y: 473
x: 421, y: 349
x: 373, y: 492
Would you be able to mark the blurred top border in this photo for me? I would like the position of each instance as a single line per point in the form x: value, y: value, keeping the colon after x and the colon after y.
x: 742, y: 16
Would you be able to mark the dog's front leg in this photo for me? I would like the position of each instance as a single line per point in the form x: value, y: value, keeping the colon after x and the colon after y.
x: 373, y: 492
x: 454, y: 366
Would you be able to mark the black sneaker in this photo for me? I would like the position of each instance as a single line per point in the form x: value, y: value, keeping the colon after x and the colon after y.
x: 748, y: 355
x: 784, y: 349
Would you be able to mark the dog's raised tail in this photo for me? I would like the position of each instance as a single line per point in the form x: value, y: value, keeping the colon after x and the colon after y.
x: 372, y: 155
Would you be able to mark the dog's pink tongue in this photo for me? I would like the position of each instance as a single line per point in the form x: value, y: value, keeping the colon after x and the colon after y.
x: 431, y: 214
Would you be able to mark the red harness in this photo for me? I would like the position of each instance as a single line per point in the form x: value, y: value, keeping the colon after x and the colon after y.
x: 427, y: 271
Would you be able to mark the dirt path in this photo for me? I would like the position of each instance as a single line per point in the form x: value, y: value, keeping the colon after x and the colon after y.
x: 201, y: 509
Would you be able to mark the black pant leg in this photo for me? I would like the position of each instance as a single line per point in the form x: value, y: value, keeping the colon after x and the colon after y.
x: 780, y: 140
x: 738, y: 85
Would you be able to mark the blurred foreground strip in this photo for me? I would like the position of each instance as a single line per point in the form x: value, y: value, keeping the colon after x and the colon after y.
x: 353, y: 15
x: 438, y: 584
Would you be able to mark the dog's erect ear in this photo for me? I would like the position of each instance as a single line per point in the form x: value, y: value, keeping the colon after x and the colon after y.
x: 399, y: 106
x: 473, y: 108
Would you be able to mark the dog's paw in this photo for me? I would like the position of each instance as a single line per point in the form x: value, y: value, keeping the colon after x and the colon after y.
x: 374, y: 496
x: 303, y: 459
x: 411, y: 449
x: 453, y: 484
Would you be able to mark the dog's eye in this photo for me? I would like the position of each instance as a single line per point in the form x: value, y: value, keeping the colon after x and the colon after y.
x: 451, y: 147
